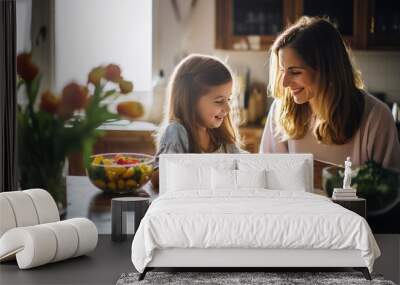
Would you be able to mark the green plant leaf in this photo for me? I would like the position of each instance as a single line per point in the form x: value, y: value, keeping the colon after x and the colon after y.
x: 34, y: 88
x: 109, y: 93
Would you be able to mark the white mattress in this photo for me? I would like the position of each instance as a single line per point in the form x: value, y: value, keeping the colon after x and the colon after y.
x: 252, y: 218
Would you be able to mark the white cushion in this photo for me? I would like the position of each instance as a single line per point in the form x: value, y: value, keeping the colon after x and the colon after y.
x: 7, y: 218
x: 185, y: 175
x: 295, y: 179
x: 223, y: 179
x: 87, y: 235
x: 281, y: 169
x: 170, y: 176
x: 23, y: 208
x: 251, y: 178
x: 26, y: 208
x: 45, y: 205
x: 66, y: 237
x: 34, y: 244
x: 281, y: 174
x: 40, y: 244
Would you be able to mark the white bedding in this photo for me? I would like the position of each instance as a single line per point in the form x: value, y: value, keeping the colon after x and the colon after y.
x: 251, y: 218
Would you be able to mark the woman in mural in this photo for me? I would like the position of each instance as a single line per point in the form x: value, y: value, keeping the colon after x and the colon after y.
x: 320, y: 105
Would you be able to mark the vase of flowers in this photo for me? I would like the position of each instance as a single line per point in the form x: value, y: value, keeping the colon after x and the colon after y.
x: 50, y: 127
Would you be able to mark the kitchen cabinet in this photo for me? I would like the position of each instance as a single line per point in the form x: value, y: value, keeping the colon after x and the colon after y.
x: 254, y: 25
x: 349, y: 17
x: 372, y: 24
x: 383, y: 24
x: 239, y: 22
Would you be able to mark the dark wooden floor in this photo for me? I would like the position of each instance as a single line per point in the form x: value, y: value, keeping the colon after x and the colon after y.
x: 106, y: 264
x: 103, y: 266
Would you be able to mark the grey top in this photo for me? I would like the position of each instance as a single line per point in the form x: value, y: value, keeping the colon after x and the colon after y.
x: 175, y: 140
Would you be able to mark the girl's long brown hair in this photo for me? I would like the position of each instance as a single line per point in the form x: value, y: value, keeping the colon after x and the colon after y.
x: 339, y: 99
x: 192, y: 78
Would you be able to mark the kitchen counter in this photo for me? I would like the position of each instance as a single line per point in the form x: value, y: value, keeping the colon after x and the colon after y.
x: 138, y: 137
x: 119, y: 136
x: 125, y: 125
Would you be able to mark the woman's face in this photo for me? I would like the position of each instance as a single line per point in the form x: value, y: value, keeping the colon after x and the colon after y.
x: 297, y: 76
x: 213, y: 106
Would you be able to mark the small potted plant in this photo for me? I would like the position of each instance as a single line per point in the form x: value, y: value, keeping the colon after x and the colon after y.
x: 379, y: 185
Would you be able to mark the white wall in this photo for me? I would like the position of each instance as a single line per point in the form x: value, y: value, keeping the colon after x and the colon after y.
x: 380, y: 69
x: 93, y: 32
x: 24, y: 17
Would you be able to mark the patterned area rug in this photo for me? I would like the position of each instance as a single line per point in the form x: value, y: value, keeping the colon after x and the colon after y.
x: 242, y: 278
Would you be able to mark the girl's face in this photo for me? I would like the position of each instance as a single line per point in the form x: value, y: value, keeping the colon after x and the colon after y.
x: 297, y: 76
x: 213, y: 106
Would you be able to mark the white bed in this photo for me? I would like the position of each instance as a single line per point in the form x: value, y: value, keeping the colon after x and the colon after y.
x: 246, y: 210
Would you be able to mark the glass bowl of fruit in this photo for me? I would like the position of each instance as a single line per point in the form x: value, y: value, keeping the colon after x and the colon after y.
x: 120, y: 173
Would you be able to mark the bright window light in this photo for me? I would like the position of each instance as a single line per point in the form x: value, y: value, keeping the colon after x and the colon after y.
x: 93, y: 32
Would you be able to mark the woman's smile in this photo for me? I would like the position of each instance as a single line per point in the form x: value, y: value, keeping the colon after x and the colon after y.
x: 219, y: 117
x: 296, y: 91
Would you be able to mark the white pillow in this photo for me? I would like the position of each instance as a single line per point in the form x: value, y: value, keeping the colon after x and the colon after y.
x: 280, y: 174
x: 190, y: 176
x: 251, y: 178
x: 236, y: 179
x: 223, y: 179
x: 294, y: 179
x: 183, y: 178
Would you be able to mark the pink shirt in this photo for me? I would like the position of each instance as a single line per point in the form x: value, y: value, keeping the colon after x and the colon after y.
x: 376, y: 139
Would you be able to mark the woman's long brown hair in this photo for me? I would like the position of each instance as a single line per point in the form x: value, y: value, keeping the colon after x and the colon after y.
x: 192, y: 78
x: 339, y: 99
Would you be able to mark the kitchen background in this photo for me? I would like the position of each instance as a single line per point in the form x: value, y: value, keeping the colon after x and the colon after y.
x: 69, y: 37
x: 198, y: 34
x: 148, y: 38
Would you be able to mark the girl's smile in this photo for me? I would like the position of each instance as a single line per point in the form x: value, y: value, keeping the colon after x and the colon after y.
x: 213, y: 106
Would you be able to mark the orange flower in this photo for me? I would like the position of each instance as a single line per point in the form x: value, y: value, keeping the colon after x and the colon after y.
x: 96, y: 74
x: 130, y: 109
x: 73, y: 97
x: 49, y: 103
x: 25, y: 68
x: 125, y: 86
x: 113, y: 73
x: 64, y: 113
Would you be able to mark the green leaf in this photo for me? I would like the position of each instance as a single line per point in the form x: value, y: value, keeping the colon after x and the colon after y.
x: 87, y: 151
x: 34, y: 88
x: 109, y: 93
x: 87, y: 147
